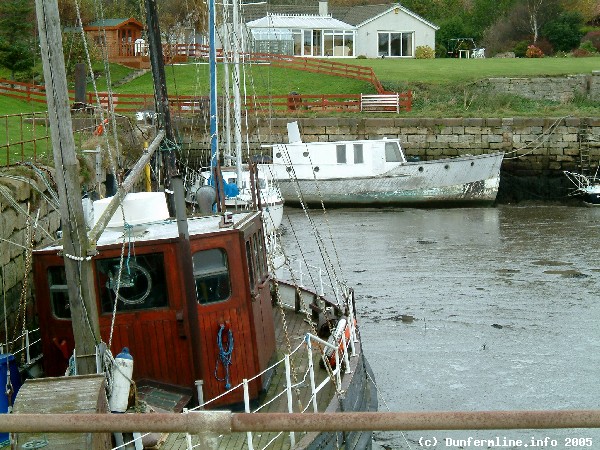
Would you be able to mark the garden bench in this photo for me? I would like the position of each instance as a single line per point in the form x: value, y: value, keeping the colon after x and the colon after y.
x: 380, y: 102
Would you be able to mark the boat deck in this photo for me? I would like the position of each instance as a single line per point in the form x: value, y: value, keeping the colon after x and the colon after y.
x: 297, y: 326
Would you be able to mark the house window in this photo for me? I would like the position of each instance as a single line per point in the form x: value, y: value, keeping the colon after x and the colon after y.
x: 358, y: 154
x: 340, y: 150
x: 307, y: 43
x: 392, y: 152
x: 395, y: 44
x: 211, y: 275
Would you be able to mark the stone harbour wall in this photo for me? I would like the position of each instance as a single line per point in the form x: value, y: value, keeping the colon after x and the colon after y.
x: 17, y: 198
x: 560, y: 89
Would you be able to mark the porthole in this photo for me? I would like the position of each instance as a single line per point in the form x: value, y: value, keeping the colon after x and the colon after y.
x: 316, y: 169
x: 472, y: 163
x: 447, y: 166
x: 305, y: 154
x: 278, y: 155
x: 421, y: 169
x: 288, y: 168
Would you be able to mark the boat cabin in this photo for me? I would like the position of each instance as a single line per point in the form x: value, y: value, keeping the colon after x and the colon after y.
x: 341, y: 159
x: 142, y: 304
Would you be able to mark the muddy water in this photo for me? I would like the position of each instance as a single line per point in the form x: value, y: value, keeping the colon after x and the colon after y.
x: 474, y: 309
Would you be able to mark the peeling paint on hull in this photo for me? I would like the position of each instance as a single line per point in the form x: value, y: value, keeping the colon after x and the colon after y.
x: 453, y: 181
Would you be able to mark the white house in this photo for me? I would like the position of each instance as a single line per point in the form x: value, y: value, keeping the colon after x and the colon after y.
x: 374, y: 31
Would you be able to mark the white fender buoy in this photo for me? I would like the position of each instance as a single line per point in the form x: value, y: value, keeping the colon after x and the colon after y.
x: 122, y: 372
x: 336, y: 339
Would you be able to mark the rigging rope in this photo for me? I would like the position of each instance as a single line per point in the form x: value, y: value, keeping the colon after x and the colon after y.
x: 224, y: 355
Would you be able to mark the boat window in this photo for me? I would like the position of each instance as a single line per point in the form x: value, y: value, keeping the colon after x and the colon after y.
x: 211, y: 274
x: 59, y: 296
x: 392, y: 152
x: 341, y: 153
x: 141, y: 283
x: 262, y: 184
x: 262, y: 254
x: 250, y: 263
x: 256, y: 257
x: 358, y: 154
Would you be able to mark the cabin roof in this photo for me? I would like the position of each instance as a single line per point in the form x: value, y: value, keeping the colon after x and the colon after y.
x: 113, y: 23
x: 165, y: 230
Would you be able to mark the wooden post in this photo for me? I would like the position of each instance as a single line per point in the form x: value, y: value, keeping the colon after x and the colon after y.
x: 84, y: 313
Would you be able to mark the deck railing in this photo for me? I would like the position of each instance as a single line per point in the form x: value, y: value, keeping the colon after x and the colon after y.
x: 29, y: 339
x: 340, y: 351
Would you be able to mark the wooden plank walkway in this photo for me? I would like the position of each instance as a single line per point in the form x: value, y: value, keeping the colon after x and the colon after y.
x: 297, y: 326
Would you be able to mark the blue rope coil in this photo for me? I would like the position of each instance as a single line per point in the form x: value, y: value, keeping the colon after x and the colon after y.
x: 224, y: 355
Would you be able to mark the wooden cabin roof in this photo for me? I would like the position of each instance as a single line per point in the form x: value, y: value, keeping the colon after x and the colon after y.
x: 113, y: 24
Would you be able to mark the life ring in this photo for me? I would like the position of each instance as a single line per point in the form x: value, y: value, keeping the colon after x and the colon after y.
x: 100, y: 128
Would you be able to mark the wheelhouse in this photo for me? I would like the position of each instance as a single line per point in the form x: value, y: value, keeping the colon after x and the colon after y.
x: 140, y: 296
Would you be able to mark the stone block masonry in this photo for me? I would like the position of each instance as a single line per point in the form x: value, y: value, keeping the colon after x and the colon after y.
x: 559, y: 89
x: 17, y: 233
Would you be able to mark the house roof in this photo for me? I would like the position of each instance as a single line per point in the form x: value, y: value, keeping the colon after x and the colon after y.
x: 114, y: 23
x: 353, y: 15
x: 299, y: 21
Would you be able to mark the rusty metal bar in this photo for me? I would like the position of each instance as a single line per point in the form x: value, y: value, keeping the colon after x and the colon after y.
x: 227, y: 422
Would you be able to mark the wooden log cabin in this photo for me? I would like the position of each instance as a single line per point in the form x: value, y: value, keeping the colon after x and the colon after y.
x: 125, y: 44
x: 122, y: 39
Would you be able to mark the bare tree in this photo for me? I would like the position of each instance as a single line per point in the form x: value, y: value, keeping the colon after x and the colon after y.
x: 538, y: 13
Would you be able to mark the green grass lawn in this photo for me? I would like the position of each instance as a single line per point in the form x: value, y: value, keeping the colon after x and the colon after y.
x: 453, y: 71
x: 260, y: 79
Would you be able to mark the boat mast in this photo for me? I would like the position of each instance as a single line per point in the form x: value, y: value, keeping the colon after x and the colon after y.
x: 236, y: 93
x: 78, y: 264
x: 161, y: 98
x: 212, y: 62
x: 173, y: 178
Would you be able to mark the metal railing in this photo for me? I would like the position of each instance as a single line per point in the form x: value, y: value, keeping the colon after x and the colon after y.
x: 340, y: 351
x: 29, y: 338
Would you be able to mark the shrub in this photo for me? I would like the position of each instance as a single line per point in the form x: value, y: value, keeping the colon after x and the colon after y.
x: 580, y: 53
x: 588, y: 46
x: 534, y: 52
x: 545, y: 46
x: 424, y: 52
x: 441, y: 51
x: 563, y: 32
x: 361, y: 57
x: 520, y: 49
x: 594, y: 38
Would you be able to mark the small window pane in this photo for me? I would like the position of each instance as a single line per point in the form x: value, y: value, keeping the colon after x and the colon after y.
x: 250, y: 264
x: 358, y: 154
x: 383, y: 44
x: 392, y: 152
x: 59, y: 296
x: 141, y: 285
x: 341, y: 153
x: 395, y: 44
x: 407, y: 45
x: 211, y: 273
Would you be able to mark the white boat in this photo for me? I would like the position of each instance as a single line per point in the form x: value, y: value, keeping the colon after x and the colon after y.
x: 376, y: 172
x: 270, y: 198
x: 586, y: 188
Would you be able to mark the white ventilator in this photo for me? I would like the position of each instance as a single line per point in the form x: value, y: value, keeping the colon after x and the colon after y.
x: 122, y: 372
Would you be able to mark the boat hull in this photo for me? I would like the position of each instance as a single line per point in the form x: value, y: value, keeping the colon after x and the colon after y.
x: 591, y: 195
x: 463, y: 180
x: 360, y: 396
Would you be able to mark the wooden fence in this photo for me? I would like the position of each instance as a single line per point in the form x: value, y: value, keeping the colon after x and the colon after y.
x: 187, y: 104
